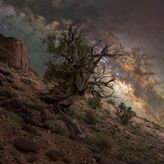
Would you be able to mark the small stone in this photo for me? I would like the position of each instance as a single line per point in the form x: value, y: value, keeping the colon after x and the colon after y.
x: 97, y: 157
x: 137, y: 162
x: 16, y: 87
x: 67, y: 160
x: 26, y: 81
x: 25, y: 145
x: 4, y: 94
x: 101, y: 159
x: 54, y: 154
x: 29, y: 129
x: 32, y: 158
x: 5, y: 72
x: 1, y: 147
x: 9, y: 79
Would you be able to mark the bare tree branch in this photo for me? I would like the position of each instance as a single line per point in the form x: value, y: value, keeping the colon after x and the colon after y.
x: 82, y: 62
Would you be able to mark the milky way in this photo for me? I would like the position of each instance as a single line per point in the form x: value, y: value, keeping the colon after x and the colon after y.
x: 132, y: 23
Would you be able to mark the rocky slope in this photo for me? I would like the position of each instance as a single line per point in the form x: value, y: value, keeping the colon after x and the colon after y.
x: 32, y: 131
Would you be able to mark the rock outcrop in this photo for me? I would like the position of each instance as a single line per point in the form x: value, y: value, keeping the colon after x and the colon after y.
x: 13, y: 53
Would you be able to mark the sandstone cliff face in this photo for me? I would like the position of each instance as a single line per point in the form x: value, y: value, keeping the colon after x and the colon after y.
x: 13, y: 53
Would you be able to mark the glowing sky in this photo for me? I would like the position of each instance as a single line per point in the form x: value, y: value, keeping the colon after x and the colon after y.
x: 133, y: 23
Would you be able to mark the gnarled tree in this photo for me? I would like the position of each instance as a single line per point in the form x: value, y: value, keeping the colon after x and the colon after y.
x: 74, y: 67
x: 75, y: 64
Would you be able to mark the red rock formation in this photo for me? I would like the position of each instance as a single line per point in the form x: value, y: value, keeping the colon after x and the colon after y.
x: 14, y: 53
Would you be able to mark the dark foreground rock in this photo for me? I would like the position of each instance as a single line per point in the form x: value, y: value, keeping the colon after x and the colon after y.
x: 25, y: 145
x: 54, y: 154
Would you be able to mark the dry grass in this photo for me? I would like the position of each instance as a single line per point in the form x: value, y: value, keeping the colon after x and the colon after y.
x: 100, y: 141
x: 90, y: 117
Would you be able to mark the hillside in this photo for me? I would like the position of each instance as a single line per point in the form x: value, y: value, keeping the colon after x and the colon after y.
x: 33, y: 131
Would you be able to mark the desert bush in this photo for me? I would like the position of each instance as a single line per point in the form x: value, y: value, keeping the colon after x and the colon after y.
x: 101, y: 141
x: 94, y: 102
x: 110, y: 101
x: 90, y: 117
x: 125, y: 113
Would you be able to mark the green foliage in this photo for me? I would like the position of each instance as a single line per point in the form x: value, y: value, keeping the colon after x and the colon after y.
x: 57, y: 75
x: 94, y: 102
x: 110, y: 101
x: 125, y: 113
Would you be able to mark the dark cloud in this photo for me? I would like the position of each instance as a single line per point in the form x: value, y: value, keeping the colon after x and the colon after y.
x: 133, y: 22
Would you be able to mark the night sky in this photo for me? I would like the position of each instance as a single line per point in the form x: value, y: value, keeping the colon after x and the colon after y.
x: 132, y: 23
x: 135, y: 23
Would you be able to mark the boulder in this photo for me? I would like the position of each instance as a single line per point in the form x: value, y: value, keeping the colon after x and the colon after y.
x: 25, y: 145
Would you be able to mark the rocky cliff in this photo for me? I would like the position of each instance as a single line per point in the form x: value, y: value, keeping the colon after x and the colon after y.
x: 33, y: 131
x: 13, y: 53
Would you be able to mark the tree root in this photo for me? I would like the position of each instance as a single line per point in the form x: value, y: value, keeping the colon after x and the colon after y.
x: 72, y: 124
x: 62, y: 103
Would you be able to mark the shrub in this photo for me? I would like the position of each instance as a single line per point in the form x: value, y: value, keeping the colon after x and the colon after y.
x: 125, y: 113
x: 90, y: 117
x: 101, y: 141
x: 94, y: 102
x: 111, y: 102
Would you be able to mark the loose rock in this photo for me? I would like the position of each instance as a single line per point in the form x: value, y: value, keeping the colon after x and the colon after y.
x: 54, y: 155
x: 25, y: 145
x: 4, y: 94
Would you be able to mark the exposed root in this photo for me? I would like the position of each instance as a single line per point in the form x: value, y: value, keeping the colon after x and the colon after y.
x: 62, y: 104
x: 72, y: 124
